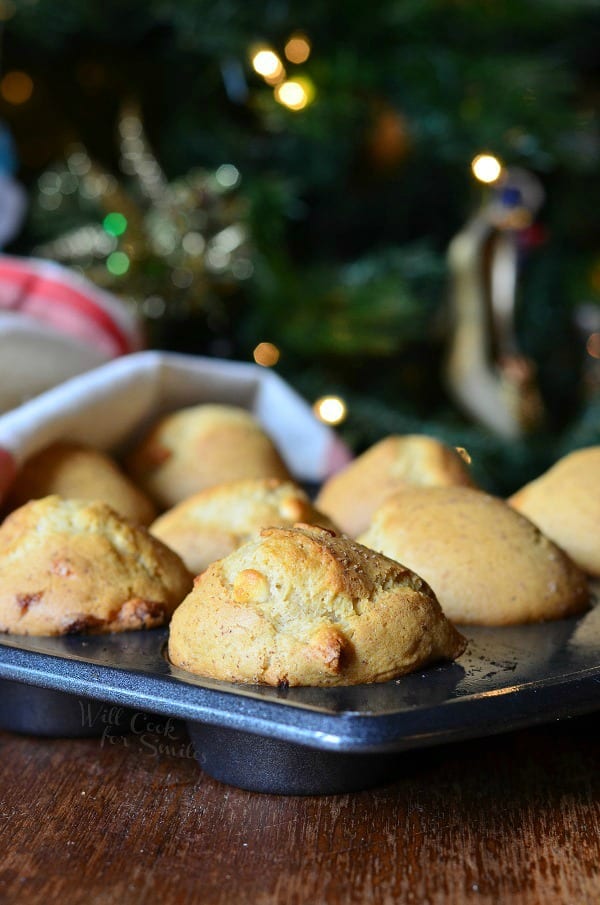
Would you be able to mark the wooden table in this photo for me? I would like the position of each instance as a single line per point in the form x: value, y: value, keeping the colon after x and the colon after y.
x: 508, y: 819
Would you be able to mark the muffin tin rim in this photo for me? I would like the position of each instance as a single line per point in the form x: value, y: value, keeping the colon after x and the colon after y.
x: 165, y: 690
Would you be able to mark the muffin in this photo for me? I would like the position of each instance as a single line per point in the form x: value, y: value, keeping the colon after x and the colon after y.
x: 305, y: 606
x: 77, y: 471
x: 564, y: 503
x: 198, y: 447
x: 216, y: 521
x: 487, y: 564
x: 352, y: 495
x: 69, y: 566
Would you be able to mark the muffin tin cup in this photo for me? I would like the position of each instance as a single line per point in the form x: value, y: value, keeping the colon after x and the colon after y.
x: 33, y: 710
x: 299, y: 741
x: 262, y: 764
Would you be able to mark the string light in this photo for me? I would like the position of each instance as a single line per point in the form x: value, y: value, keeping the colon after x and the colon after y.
x: 117, y: 263
x: 79, y: 163
x: 115, y: 224
x: 193, y: 243
x: 230, y: 238
x: 297, y: 48
x: 486, y: 168
x: 49, y: 183
x: 330, y: 409
x: 295, y: 94
x: 266, y: 354
x: 266, y: 63
x: 216, y: 259
x: 227, y: 175
x: 16, y: 87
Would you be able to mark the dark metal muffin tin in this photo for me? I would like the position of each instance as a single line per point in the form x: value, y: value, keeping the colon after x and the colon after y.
x: 302, y: 740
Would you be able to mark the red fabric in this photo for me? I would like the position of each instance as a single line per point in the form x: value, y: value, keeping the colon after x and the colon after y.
x: 62, y: 306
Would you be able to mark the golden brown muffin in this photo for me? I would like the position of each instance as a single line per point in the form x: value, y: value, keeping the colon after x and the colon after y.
x: 352, y: 495
x: 215, y: 522
x: 304, y: 606
x: 487, y: 564
x: 71, y: 566
x: 199, y: 447
x: 564, y: 503
x: 77, y: 471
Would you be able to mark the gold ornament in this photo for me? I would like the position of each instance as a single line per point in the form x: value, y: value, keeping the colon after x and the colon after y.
x: 156, y: 242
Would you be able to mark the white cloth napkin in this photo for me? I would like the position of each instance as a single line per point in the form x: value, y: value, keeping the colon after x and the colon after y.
x: 109, y: 406
x: 55, y: 324
x: 36, y: 356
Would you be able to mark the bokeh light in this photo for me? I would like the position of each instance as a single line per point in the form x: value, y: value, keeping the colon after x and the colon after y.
x: 267, y: 63
x: 486, y: 168
x: 295, y: 94
x: 193, y: 243
x: 330, y: 409
x: 227, y: 175
x: 266, y: 354
x: 16, y: 87
x: 114, y: 223
x: 117, y: 263
x: 297, y: 48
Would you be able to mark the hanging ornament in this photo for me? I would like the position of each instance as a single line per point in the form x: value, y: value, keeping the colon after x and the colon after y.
x: 488, y: 376
x: 162, y: 244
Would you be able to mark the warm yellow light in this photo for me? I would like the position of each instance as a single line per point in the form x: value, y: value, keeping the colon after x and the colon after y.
x: 593, y: 345
x: 297, y: 49
x: 462, y: 452
x: 7, y: 10
x: 330, y: 409
x: 486, y: 167
x: 266, y: 354
x: 294, y: 95
x: 267, y: 64
x: 277, y: 78
x: 16, y: 87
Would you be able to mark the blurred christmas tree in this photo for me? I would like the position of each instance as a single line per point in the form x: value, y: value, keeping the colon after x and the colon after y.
x: 329, y: 147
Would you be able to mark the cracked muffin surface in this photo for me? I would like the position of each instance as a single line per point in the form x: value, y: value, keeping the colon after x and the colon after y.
x: 70, y: 566
x: 305, y: 606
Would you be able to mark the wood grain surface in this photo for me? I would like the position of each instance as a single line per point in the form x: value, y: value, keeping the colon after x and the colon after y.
x: 509, y: 819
